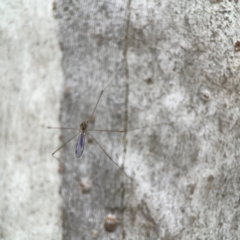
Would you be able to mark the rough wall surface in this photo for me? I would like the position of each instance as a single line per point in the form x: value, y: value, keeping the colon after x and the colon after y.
x: 170, y: 62
x: 30, y: 86
x: 171, y: 65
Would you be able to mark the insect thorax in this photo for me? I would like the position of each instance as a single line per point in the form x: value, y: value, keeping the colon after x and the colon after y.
x: 83, y: 126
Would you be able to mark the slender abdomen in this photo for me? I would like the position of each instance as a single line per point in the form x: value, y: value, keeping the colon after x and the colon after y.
x: 80, y: 145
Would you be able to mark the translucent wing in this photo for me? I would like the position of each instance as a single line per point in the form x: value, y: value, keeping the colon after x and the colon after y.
x: 80, y: 145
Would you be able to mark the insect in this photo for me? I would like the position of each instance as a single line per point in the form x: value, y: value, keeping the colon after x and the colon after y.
x: 83, y: 130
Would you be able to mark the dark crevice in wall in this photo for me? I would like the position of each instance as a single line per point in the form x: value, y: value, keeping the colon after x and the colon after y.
x: 126, y: 44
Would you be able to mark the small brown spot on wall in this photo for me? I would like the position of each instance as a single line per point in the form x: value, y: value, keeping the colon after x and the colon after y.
x: 61, y: 168
x: 92, y: 119
x: 149, y: 81
x: 85, y: 186
x: 110, y: 223
x: 90, y: 140
x: 237, y: 46
x: 205, y: 95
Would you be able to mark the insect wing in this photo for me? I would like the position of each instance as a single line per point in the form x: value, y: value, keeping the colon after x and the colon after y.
x: 80, y: 145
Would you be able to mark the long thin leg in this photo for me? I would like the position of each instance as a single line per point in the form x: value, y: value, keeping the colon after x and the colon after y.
x: 63, y: 146
x: 108, y: 155
x: 98, y: 101
x: 151, y: 126
x: 96, y: 130
x: 63, y: 128
x: 105, y: 130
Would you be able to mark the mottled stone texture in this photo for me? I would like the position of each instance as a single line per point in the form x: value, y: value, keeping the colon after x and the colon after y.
x: 173, y: 69
x: 173, y: 65
x: 30, y: 90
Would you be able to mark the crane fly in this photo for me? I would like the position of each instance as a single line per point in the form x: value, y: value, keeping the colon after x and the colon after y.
x: 83, y: 130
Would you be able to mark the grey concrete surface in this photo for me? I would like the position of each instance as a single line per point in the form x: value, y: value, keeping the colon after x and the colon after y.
x: 169, y: 62
x: 171, y: 65
x: 30, y: 86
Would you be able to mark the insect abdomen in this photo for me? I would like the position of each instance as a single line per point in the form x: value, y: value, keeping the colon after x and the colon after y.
x: 80, y: 145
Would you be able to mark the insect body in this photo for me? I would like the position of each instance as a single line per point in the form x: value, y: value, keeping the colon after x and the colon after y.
x: 81, y: 136
x: 81, y: 140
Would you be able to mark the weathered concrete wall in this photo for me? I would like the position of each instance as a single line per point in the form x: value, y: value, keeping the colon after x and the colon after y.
x: 169, y: 62
x: 31, y: 82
